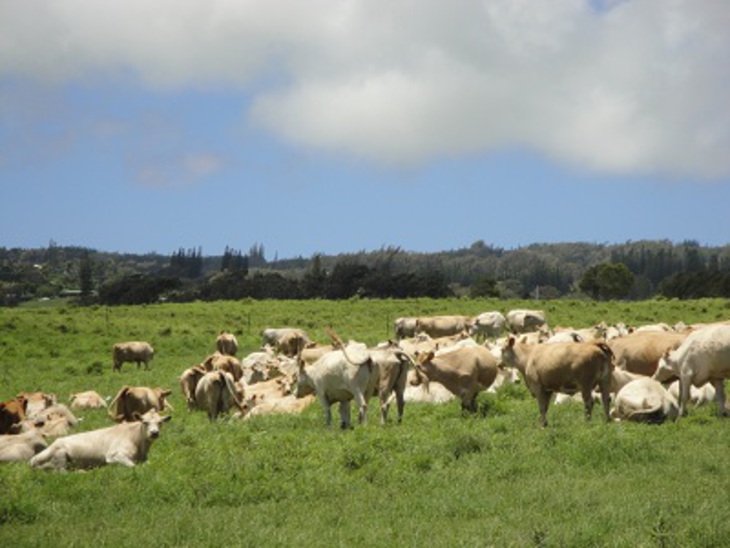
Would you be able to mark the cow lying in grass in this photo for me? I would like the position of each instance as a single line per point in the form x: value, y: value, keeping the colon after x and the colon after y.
x: 127, y: 444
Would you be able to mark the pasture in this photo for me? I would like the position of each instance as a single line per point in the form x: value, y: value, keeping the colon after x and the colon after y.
x: 439, y: 479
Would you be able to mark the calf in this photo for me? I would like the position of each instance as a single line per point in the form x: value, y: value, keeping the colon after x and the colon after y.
x: 226, y: 343
x: 87, y: 400
x: 127, y: 444
x: 562, y: 367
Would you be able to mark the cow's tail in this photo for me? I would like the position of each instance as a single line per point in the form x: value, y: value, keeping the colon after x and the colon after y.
x: 651, y: 415
x: 339, y: 345
x: 232, y: 391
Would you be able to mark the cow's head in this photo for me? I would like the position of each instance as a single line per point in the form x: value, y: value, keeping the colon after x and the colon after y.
x: 668, y: 368
x: 151, y: 422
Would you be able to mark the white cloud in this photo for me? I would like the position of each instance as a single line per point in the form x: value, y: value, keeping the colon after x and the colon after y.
x: 618, y: 86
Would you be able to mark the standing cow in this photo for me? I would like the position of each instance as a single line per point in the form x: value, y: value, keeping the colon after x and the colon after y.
x: 216, y: 394
x: 133, y: 351
x: 339, y: 376
x: 526, y: 321
x: 704, y: 356
x: 488, y: 325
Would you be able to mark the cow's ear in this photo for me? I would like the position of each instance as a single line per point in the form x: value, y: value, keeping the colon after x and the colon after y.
x: 166, y: 418
x: 136, y: 416
x: 511, y: 341
x: 166, y: 392
x: 429, y: 356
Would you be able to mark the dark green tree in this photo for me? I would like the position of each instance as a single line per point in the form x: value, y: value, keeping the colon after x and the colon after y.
x: 607, y: 281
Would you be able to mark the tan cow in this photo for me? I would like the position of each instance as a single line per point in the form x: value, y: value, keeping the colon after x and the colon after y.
x: 37, y: 402
x: 562, y: 367
x: 127, y: 444
x: 217, y: 393
x: 443, y: 326
x: 188, y: 382
x: 87, y: 400
x: 223, y: 362
x: 465, y: 372
x: 133, y: 401
x: 640, y: 352
x: 389, y: 378
x: 404, y: 327
x: 703, y: 357
x: 226, y: 343
x: 133, y: 351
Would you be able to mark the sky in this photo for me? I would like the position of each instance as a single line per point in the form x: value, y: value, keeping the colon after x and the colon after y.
x: 336, y: 126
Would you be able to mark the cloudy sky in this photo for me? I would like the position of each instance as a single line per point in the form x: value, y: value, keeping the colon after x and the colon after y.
x: 345, y: 125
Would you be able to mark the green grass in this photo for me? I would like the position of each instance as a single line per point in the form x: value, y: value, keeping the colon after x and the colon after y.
x: 439, y: 479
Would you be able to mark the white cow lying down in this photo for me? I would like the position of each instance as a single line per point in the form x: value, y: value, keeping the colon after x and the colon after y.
x: 644, y: 400
x: 126, y: 443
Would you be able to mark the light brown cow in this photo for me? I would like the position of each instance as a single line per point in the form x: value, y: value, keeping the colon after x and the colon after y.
x: 216, y: 393
x: 640, y: 352
x: 87, y: 400
x: 226, y: 343
x: 132, y: 351
x: 562, y: 367
x: 12, y: 412
x: 133, y: 401
x: 37, y: 402
x: 223, y: 362
x: 389, y: 378
x: 465, y: 372
x: 443, y: 326
x: 126, y: 444
x: 290, y: 405
x: 188, y: 382
x: 526, y: 321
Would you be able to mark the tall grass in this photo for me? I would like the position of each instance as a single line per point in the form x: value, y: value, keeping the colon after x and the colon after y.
x: 438, y: 479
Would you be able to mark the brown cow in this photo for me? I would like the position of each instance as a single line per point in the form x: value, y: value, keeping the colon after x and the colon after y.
x: 562, y: 367
x: 12, y: 412
x: 390, y: 377
x: 133, y: 351
x: 133, y: 401
x: 465, y: 372
x: 443, y: 326
x: 37, y: 402
x: 640, y: 352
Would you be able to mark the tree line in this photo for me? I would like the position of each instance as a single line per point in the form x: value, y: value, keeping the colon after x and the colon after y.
x: 633, y: 270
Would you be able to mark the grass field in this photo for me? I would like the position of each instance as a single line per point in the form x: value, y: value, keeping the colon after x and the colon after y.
x: 439, y: 479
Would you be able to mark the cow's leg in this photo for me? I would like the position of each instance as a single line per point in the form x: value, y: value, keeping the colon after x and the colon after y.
x: 543, y: 402
x: 362, y: 408
x: 344, y: 415
x: 685, y: 383
x: 384, y: 405
x: 587, y: 393
x: 119, y: 457
x: 400, y: 403
x: 719, y: 385
x: 326, y: 409
x: 606, y: 399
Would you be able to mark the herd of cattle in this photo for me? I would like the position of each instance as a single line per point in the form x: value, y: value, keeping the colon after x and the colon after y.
x: 646, y: 374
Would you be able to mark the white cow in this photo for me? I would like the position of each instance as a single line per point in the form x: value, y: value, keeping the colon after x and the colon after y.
x: 127, y: 444
x: 644, y: 400
x: 21, y: 447
x: 704, y: 356
x: 488, y: 325
x: 404, y: 327
x: 697, y: 395
x: 525, y: 321
x: 339, y: 376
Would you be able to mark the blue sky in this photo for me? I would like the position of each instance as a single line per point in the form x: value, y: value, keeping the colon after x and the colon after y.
x: 337, y: 126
